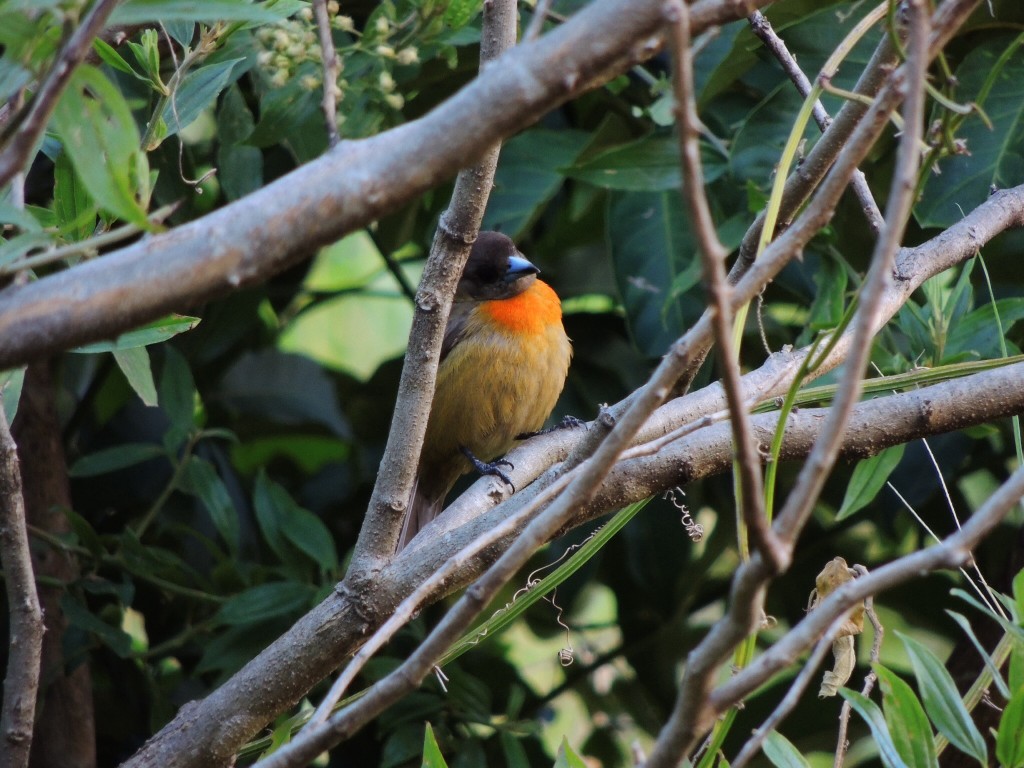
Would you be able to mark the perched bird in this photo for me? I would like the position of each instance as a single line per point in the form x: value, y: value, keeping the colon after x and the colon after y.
x: 504, y: 360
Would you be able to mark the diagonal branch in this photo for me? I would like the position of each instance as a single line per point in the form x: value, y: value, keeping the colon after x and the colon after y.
x: 713, y: 255
x: 23, y: 131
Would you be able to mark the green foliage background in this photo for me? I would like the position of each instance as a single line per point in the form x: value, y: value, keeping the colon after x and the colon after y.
x: 221, y: 465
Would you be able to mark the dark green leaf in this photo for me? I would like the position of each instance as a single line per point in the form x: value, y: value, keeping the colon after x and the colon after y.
x: 995, y: 156
x: 153, y: 333
x: 653, y: 255
x: 976, y: 332
x: 177, y: 397
x: 266, y: 601
x: 283, y: 111
x: 197, y: 92
x: 868, y: 479
x: 512, y: 750
x: 86, y: 534
x: 113, y: 459
x: 282, y: 520
x: 942, y: 701
x: 650, y: 164
x: 528, y: 177
x: 78, y: 615
x: 142, y: 11
x: 908, y: 724
x: 432, y: 757
x: 109, y: 56
x: 782, y: 753
x: 76, y: 212
x: 1009, y: 741
x: 201, y: 480
x: 100, y: 137
x: 134, y: 364
x: 872, y: 715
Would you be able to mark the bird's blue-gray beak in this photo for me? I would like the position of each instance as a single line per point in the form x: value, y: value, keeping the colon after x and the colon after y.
x: 519, y: 266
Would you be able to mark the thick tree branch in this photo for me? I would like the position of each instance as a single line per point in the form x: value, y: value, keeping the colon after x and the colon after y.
x: 23, y: 132
x: 21, y: 684
x: 351, y: 186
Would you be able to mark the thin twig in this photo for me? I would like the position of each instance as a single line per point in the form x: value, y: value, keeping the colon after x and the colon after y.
x: 21, y: 684
x: 763, y: 29
x: 22, y: 132
x: 540, y: 15
x: 713, y: 255
x: 332, y: 67
x: 792, y: 697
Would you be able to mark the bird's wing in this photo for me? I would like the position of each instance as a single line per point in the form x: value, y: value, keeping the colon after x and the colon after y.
x: 456, y: 327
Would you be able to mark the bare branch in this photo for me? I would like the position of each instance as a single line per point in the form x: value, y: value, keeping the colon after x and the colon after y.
x: 713, y: 255
x: 21, y: 685
x: 23, y: 131
x: 349, y: 187
x: 331, y: 67
x: 776, y: 45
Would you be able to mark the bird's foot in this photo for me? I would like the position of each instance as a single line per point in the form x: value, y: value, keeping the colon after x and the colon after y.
x: 490, y: 468
x: 567, y: 422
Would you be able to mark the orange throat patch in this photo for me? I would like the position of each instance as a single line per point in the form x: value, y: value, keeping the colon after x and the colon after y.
x: 531, y: 312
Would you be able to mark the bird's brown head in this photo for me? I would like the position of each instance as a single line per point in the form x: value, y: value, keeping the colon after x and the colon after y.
x: 495, y: 270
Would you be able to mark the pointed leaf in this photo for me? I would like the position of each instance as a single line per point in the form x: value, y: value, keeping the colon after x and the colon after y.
x: 153, y: 333
x: 198, y: 91
x: 200, y: 479
x: 113, y: 459
x: 134, y: 364
x: 1009, y: 741
x: 11, y: 383
x: 142, y: 11
x: 868, y: 479
x: 942, y: 701
x: 266, y: 601
x: 432, y: 757
x: 100, y: 136
x: 566, y: 758
x: 782, y: 753
x: 872, y: 715
x: 908, y: 724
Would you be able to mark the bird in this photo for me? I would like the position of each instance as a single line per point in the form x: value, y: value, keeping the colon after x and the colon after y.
x: 504, y: 361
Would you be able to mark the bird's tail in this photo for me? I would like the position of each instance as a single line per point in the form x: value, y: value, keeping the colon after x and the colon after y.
x: 422, y: 508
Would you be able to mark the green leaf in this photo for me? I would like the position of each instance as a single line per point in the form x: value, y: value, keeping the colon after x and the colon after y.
x: 782, y: 753
x: 997, y: 676
x: 908, y: 724
x: 102, y: 141
x: 458, y: 13
x: 266, y: 601
x: 109, y: 56
x: 197, y: 91
x: 976, y: 331
x: 872, y: 715
x: 76, y: 212
x: 282, y: 520
x: 78, y: 615
x: 134, y: 364
x: 11, y: 383
x: 528, y: 177
x: 177, y: 397
x: 513, y: 751
x: 942, y: 701
x: 653, y: 255
x: 1018, y: 592
x: 153, y: 333
x: 650, y: 164
x: 142, y: 11
x: 566, y: 758
x: 113, y: 459
x: 283, y: 111
x: 200, y: 479
x: 432, y: 757
x: 995, y: 155
x: 868, y: 479
x: 1009, y: 744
